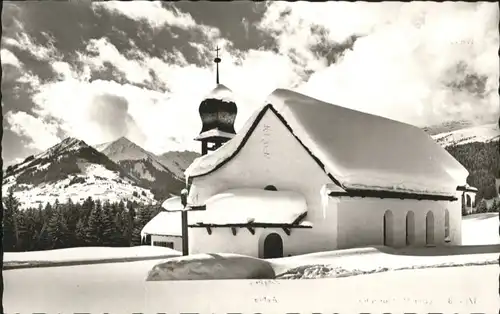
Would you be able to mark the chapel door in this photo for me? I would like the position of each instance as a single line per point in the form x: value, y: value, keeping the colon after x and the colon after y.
x: 273, y: 246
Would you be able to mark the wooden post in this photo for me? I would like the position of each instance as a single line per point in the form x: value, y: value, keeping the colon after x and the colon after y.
x: 184, y: 214
x: 204, y: 147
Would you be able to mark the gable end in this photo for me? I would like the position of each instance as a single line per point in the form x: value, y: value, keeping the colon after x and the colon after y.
x: 250, y: 132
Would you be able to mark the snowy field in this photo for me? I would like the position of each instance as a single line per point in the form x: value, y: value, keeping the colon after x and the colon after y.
x: 480, y: 229
x: 97, y: 182
x: 481, y: 133
x: 86, y: 254
x: 120, y: 288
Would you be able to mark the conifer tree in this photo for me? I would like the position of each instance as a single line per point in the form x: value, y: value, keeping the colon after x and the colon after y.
x: 44, y: 240
x: 482, y: 208
x: 10, y: 206
x: 125, y: 227
x: 143, y: 217
x: 47, y: 212
x: 22, y: 235
x: 494, y: 206
x: 58, y: 230
x: 94, y: 230
x: 110, y: 236
x: 80, y: 233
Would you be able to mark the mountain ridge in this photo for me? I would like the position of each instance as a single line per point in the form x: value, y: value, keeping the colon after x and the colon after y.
x: 117, y: 170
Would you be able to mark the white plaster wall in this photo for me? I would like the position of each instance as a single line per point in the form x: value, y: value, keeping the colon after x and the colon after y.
x: 222, y: 240
x: 176, y: 240
x: 272, y: 156
x: 360, y: 221
x: 469, y: 209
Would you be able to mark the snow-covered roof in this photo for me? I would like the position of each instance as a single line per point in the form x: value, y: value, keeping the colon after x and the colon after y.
x: 173, y: 204
x: 243, y: 206
x: 467, y: 188
x: 221, y: 92
x: 165, y: 223
x: 359, y: 150
x: 214, y: 133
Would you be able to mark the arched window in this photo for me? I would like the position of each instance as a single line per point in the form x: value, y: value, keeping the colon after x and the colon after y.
x: 388, y: 225
x: 429, y: 228
x: 270, y: 188
x: 446, y: 225
x: 410, y: 228
x: 469, y: 202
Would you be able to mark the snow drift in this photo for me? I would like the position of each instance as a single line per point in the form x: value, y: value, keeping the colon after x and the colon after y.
x: 211, y: 266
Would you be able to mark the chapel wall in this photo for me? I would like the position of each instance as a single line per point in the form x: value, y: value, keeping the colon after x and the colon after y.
x: 177, y: 241
x: 361, y: 221
x: 222, y: 240
x: 272, y: 156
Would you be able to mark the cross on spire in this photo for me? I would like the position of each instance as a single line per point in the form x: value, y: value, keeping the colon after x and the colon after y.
x: 217, y: 60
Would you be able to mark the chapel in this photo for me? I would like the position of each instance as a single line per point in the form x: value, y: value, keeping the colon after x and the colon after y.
x: 304, y: 176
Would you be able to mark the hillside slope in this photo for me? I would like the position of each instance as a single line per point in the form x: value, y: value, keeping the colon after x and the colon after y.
x: 476, y: 148
x: 71, y: 169
x: 146, y: 168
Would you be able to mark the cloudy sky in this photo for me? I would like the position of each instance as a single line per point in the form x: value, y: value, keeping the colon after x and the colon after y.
x: 98, y: 71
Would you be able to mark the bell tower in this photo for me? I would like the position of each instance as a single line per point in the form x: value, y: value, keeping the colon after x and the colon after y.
x: 218, y: 113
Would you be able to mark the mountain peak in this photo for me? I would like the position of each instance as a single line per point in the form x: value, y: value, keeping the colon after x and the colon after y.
x: 123, y: 149
x: 123, y: 139
x: 66, y: 145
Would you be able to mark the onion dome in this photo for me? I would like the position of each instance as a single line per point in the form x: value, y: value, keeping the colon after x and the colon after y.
x: 218, y: 111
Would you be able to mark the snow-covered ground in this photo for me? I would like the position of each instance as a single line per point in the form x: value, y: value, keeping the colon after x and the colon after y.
x: 87, y: 254
x: 480, y: 229
x: 96, y: 181
x: 121, y: 288
x: 110, y: 190
x: 373, y: 260
x: 482, y: 133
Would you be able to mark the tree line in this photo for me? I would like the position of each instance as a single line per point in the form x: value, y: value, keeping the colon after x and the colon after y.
x: 69, y: 224
x: 482, y: 162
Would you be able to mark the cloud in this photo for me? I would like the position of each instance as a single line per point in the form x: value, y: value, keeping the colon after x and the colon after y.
x: 405, y: 57
x: 419, y: 63
x: 157, y: 15
x: 152, y: 12
x: 9, y: 58
x: 110, y: 114
x: 102, y: 110
x: 102, y: 52
x: 42, y: 135
x: 25, y: 42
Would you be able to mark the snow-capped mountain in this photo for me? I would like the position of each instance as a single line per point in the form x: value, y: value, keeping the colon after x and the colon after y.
x: 447, y: 126
x: 72, y: 169
x: 482, y: 133
x: 178, y: 162
x: 146, y: 168
x: 123, y: 150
